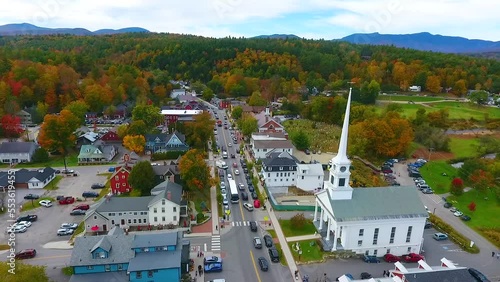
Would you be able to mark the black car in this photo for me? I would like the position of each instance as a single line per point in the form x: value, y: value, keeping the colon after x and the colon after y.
x: 250, y: 188
x: 31, y: 197
x: 478, y: 275
x: 89, y: 194
x: 77, y: 212
x: 29, y: 217
x: 97, y: 186
x: 254, y: 196
x: 448, y: 205
x: 264, y: 265
x: 274, y: 255
x: 427, y: 225
x: 233, y: 156
x: 465, y: 217
x: 244, y: 196
x: 253, y: 226
x: 245, y: 170
x: 365, y: 275
x: 268, y: 241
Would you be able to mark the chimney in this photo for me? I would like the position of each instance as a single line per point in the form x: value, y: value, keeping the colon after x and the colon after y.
x: 169, y: 195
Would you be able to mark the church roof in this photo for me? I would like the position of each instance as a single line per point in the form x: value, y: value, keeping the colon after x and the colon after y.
x: 379, y: 203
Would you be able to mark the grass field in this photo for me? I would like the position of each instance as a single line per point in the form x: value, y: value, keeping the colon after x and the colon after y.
x: 409, y: 98
x: 323, y: 137
x: 463, y: 148
x: 487, y: 210
x: 290, y: 231
x: 53, y: 184
x: 55, y: 161
x: 33, y: 205
x: 311, y: 251
x: 433, y: 171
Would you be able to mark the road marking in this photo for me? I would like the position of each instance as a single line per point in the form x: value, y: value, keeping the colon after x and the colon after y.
x: 255, y: 266
x: 216, y: 243
x: 51, y: 257
x: 241, y: 210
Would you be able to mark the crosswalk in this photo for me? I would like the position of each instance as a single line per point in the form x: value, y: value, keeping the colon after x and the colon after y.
x: 240, y: 223
x: 215, y: 244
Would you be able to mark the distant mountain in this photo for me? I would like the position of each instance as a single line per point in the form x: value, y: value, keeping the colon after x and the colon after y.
x: 29, y: 29
x: 426, y: 42
x: 278, y: 36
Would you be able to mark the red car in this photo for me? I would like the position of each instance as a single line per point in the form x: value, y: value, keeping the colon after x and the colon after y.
x: 24, y: 254
x: 412, y: 257
x: 67, y: 201
x: 391, y: 258
x: 82, y: 207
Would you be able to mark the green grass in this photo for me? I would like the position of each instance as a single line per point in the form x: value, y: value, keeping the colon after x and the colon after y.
x: 311, y: 251
x: 53, y: 184
x: 409, y: 98
x: 30, y: 206
x: 290, y: 231
x: 487, y: 210
x: 322, y: 136
x: 282, y: 257
x: 463, y: 148
x: 272, y: 232
x: 68, y: 270
x: 78, y: 230
x: 433, y: 171
x: 55, y: 161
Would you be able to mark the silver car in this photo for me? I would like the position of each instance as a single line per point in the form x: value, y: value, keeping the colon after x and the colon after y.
x: 64, y: 231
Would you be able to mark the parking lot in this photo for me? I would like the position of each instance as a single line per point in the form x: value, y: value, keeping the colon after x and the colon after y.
x: 49, y: 219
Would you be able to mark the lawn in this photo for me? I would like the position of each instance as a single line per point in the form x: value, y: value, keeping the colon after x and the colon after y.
x: 311, y: 251
x: 68, y: 270
x: 34, y: 204
x: 282, y: 257
x: 322, y: 136
x: 55, y: 161
x: 290, y: 231
x: 272, y: 233
x: 433, y: 171
x: 410, y: 98
x: 463, y: 148
x: 78, y: 230
x: 487, y: 210
x: 53, y: 184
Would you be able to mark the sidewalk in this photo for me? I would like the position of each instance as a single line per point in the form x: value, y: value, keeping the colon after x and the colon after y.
x: 213, y: 199
x: 277, y: 227
x: 302, y: 238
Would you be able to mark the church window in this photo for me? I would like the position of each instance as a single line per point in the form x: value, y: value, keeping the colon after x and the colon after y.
x: 361, y: 232
x: 393, y: 233
x: 343, y: 169
x: 360, y: 243
x: 408, y: 234
x: 341, y: 182
x: 332, y: 179
x: 375, y: 252
x: 375, y: 236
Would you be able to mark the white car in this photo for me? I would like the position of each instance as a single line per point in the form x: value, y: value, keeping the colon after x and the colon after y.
x: 223, y: 192
x: 230, y: 144
x: 236, y: 172
x: 242, y: 187
x: 225, y: 202
x: 24, y: 223
x: 65, y: 231
x: 69, y: 226
x: 223, y: 185
x: 45, y: 203
x: 458, y: 213
x: 17, y: 229
x: 248, y: 206
x: 229, y: 176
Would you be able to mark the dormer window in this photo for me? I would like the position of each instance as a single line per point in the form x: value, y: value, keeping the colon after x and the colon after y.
x: 281, y: 168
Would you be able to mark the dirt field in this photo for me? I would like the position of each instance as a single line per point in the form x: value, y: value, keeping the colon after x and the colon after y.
x: 424, y: 154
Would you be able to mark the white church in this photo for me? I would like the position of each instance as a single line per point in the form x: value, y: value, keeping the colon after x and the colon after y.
x: 372, y: 221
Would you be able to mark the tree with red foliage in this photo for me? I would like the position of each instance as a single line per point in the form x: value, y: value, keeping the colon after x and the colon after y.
x: 472, y: 206
x: 482, y: 180
x: 457, y: 186
x: 11, y: 126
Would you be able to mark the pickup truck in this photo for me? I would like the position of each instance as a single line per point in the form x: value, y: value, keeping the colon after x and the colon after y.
x: 67, y: 201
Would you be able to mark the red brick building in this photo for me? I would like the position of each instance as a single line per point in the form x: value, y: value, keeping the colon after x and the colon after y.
x: 119, y: 179
x: 111, y: 137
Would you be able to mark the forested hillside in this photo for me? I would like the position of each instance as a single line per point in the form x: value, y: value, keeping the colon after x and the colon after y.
x: 51, y: 71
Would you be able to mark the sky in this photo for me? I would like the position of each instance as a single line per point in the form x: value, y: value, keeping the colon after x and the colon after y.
x: 316, y: 19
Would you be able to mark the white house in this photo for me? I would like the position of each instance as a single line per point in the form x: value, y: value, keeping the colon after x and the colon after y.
x: 162, y: 208
x: 17, y: 152
x: 310, y: 177
x: 263, y: 145
x: 372, y: 221
x: 279, y: 171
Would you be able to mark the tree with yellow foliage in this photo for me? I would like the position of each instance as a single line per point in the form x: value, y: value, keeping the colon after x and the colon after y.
x: 134, y: 143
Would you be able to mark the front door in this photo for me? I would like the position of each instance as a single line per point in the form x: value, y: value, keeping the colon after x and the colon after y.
x: 123, y: 221
x: 104, y: 227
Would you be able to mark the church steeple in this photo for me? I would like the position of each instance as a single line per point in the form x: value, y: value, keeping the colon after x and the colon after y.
x: 338, y: 185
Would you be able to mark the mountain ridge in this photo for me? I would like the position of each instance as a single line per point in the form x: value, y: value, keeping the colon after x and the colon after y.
x: 30, y: 29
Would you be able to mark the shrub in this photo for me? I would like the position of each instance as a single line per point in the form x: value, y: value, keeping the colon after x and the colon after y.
x: 40, y: 156
x: 298, y: 221
x: 457, y: 186
x: 167, y: 155
x: 453, y: 235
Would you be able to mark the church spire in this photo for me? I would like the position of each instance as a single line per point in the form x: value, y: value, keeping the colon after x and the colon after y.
x: 342, y: 152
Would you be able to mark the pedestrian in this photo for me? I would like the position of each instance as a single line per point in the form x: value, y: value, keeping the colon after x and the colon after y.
x: 492, y: 254
x: 196, y: 273
x: 216, y: 227
x: 385, y: 273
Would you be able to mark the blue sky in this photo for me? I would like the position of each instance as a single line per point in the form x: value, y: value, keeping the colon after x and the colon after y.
x: 328, y: 19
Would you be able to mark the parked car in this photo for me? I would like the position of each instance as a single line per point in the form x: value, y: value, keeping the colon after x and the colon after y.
x: 77, y: 212
x: 90, y: 194
x: 274, y: 255
x: 465, y: 217
x: 17, y: 229
x: 229, y: 176
x: 391, y: 258
x: 65, y: 231
x: 223, y: 192
x: 254, y: 195
x: 447, y: 205
x: 45, y: 203
x: 223, y: 185
x: 413, y: 257
x: 244, y: 196
x: 213, y: 267
x: 29, y: 217
x: 26, y: 224
x: 67, y: 201
x: 268, y: 240
x: 371, y: 259
x: 250, y: 188
x: 241, y: 186
x: 365, y: 275
x: 253, y: 226
x: 236, y: 172
x: 458, y: 213
x: 427, y: 225
x: 83, y: 207
x: 69, y: 226
x: 31, y: 197
x: 248, y: 206
x: 212, y: 259
x: 257, y: 243
x: 25, y: 254
x: 97, y: 186
x: 264, y: 265
x: 478, y: 275
x: 453, y: 209
x: 225, y: 201
x: 67, y: 171
x: 439, y: 236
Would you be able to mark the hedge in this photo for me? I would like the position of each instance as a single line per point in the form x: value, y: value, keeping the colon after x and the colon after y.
x: 453, y: 235
x: 172, y: 155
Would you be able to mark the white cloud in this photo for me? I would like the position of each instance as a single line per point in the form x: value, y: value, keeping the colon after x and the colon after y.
x: 218, y: 18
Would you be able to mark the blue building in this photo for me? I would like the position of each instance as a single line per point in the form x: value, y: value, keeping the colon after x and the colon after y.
x: 161, y: 143
x: 124, y: 257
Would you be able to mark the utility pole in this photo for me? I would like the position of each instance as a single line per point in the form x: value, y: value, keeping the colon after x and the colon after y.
x: 430, y: 151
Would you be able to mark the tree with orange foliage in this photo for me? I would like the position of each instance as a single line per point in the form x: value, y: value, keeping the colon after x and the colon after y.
x: 57, y: 132
x: 482, y: 180
x: 194, y: 171
x: 134, y: 143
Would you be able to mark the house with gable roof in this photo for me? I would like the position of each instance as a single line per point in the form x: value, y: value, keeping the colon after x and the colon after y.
x: 30, y: 179
x: 121, y: 257
x: 267, y: 124
x: 119, y: 178
x: 101, y: 154
x: 17, y: 152
x: 279, y: 171
x: 160, y: 143
x: 371, y: 221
